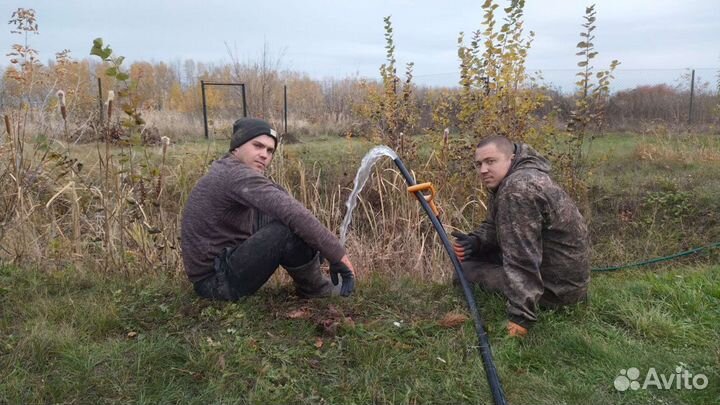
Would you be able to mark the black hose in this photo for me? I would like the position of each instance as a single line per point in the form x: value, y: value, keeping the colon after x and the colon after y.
x: 484, y: 346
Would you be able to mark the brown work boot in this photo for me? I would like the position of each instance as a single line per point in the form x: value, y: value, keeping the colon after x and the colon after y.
x: 310, y: 282
x: 515, y: 330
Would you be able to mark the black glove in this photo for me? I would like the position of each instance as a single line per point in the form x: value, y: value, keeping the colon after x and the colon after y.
x: 469, y: 244
x: 348, y: 278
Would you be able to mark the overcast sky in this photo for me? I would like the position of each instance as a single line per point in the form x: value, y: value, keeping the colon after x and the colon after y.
x: 653, y: 39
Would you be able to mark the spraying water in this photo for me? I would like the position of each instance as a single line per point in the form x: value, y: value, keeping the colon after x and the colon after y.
x: 360, y: 179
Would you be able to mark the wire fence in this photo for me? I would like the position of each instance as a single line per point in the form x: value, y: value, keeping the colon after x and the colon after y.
x: 677, y: 96
x: 563, y: 80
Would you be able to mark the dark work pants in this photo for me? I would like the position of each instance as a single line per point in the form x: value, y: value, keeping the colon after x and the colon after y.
x: 485, y: 271
x: 241, y: 270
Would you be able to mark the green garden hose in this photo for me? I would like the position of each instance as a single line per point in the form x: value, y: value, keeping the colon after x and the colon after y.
x: 658, y: 259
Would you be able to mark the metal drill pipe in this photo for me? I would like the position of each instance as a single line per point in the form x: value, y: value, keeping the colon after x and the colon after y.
x: 484, y: 343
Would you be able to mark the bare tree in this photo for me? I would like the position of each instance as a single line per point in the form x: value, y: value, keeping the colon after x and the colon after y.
x: 262, y: 81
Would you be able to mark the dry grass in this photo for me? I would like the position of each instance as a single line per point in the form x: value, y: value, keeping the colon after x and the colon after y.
x: 678, y: 149
x: 105, y: 207
x: 89, y: 205
x: 117, y: 208
x: 389, y: 234
x: 189, y: 126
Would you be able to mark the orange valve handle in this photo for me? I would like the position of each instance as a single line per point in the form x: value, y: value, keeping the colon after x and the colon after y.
x: 429, y: 198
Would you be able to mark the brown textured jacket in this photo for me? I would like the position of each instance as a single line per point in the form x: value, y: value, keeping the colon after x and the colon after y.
x: 224, y: 207
x: 542, y: 237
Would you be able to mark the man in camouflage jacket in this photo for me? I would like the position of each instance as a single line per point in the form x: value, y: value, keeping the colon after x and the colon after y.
x: 533, y: 245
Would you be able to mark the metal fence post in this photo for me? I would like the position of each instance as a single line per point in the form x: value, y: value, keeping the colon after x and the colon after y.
x: 692, y: 94
x: 202, y: 87
x: 244, y: 101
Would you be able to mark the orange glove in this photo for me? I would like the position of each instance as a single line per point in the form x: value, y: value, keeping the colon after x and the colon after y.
x: 516, y: 330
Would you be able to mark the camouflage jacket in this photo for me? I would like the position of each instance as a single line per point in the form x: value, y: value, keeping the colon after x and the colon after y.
x: 541, y: 234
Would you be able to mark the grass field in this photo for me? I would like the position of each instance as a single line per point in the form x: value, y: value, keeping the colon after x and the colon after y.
x: 70, y: 337
x: 74, y: 335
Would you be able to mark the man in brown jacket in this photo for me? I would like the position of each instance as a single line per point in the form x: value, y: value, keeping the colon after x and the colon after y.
x: 533, y: 245
x: 238, y: 226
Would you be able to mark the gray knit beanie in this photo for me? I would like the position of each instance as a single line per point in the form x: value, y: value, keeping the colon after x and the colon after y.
x: 246, y: 129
